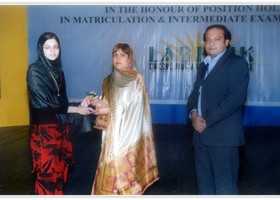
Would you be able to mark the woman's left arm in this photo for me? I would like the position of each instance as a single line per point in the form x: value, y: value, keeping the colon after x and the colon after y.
x: 83, y: 109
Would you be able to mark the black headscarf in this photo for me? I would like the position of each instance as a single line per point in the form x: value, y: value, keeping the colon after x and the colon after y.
x: 55, y: 65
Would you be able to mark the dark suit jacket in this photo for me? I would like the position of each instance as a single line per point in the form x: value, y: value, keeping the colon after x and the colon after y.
x: 223, y: 93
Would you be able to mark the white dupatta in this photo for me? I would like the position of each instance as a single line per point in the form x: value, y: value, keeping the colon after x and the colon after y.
x: 127, y: 162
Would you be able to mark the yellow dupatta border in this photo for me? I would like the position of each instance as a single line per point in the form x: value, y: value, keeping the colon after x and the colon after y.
x: 137, y: 168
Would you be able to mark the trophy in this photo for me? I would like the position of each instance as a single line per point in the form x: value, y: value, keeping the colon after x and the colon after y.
x: 94, y: 98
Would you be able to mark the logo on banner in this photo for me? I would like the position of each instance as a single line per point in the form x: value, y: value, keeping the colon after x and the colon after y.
x: 187, y: 56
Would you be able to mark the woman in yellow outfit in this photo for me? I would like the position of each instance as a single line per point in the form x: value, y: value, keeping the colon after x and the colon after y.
x: 127, y: 163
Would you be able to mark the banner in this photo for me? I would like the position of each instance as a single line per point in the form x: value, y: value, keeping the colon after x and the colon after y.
x: 167, y: 42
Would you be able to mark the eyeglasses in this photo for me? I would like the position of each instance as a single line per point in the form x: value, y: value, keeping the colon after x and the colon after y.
x: 48, y: 48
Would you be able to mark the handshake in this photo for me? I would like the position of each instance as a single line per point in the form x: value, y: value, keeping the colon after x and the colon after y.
x: 99, y: 106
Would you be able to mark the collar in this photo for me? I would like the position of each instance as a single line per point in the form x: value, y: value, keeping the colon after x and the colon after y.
x: 209, y: 60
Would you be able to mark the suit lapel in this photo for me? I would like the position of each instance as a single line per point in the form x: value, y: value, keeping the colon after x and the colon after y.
x: 220, y: 63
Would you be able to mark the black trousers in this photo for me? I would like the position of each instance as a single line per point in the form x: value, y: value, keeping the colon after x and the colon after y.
x: 216, y: 169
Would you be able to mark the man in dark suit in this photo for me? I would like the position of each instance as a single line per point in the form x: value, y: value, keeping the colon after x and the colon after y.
x: 215, y: 106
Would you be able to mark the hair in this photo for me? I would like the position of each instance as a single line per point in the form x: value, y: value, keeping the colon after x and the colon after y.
x: 227, y: 34
x: 126, y: 49
x: 42, y: 39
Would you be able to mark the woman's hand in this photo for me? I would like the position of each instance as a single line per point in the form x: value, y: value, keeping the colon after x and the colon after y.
x: 80, y: 110
x: 84, y: 110
x: 101, y: 106
x: 86, y: 101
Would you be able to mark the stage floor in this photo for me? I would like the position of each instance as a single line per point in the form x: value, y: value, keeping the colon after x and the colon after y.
x: 259, y: 161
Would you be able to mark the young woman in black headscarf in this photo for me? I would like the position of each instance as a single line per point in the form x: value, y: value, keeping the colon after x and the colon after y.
x: 51, y: 147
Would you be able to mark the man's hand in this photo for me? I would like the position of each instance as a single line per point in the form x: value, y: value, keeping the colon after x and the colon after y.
x: 199, y: 124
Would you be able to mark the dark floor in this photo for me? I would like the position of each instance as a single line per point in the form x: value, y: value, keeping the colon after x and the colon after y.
x: 259, y: 166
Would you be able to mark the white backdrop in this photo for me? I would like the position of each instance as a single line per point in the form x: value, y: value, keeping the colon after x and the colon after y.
x: 168, y: 45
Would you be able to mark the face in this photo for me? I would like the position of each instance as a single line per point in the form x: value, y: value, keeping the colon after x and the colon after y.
x: 215, y: 42
x: 51, y: 49
x: 121, y: 60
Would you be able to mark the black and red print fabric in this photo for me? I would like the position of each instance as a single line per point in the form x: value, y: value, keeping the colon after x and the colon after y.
x: 52, y: 154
